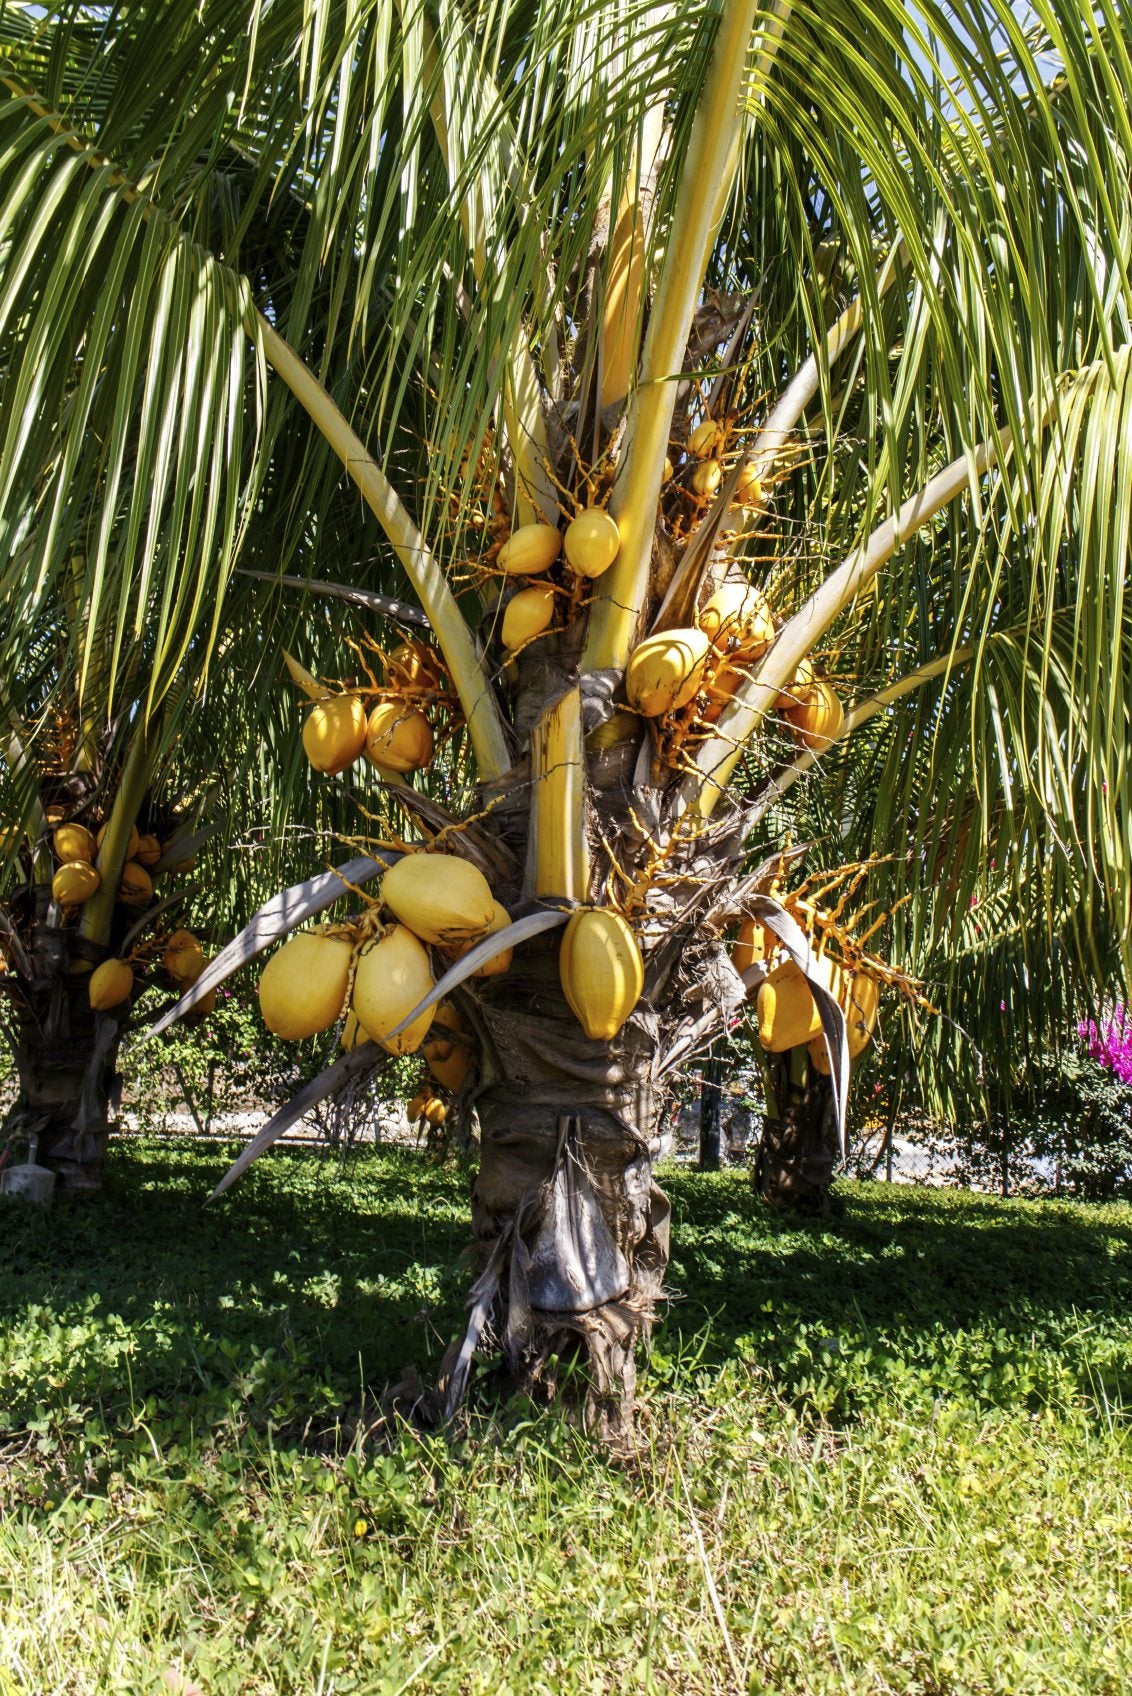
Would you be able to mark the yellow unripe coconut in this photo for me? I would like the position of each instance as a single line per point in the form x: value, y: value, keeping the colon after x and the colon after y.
x: 149, y: 851
x: 748, y: 488
x: 136, y: 886
x: 819, y: 1056
x: 110, y: 984
x: 500, y: 919
x: 398, y: 737
x: 415, y: 664
x: 704, y: 438
x: 621, y: 727
x: 798, y: 689
x: 818, y: 718
x: 788, y: 1013
x: 666, y: 473
x: 205, y: 1006
x: 707, y: 477
x: 737, y: 612
x: 601, y: 971
x: 334, y: 733
x: 414, y: 1109
x: 392, y: 975
x: 441, y: 898
x: 447, y: 1029
x: 722, y: 689
x: 450, y: 1071
x: 131, y: 845
x: 754, y: 943
x: 591, y: 542
x: 665, y: 670
x: 435, y: 1111
x: 74, y: 883
x: 73, y: 842
x: 303, y: 986
x: 530, y: 549
x: 352, y: 1032
x: 527, y: 615
x: 55, y: 814
x: 860, y: 1000
x: 183, y: 957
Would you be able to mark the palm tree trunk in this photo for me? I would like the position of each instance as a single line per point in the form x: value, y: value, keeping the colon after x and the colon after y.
x: 799, y: 1147
x: 66, y: 1058
x: 571, y: 1227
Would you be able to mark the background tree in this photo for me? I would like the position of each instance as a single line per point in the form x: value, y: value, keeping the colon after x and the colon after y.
x: 828, y: 301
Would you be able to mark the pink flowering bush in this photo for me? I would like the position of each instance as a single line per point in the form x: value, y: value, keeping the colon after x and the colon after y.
x: 1110, y: 1043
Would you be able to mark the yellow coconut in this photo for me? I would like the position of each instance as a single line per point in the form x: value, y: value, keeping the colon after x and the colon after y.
x: 452, y: 1070
x: 748, y: 487
x: 74, y: 883
x: 302, y: 989
x: 665, y: 670
x: 621, y: 727
x: 530, y: 549
x: 435, y: 1111
x: 704, y: 438
x: 416, y: 665
x: 754, y: 943
x: 591, y: 542
x: 707, y: 477
x: 110, y: 984
x: 334, y: 733
x: 527, y: 615
x: 183, y: 957
x: 74, y: 842
x: 444, y: 1037
x: 601, y: 971
x: 136, y: 886
x: 788, y: 1013
x: 722, y: 690
x: 414, y: 1109
x: 392, y: 975
x: 737, y: 612
x: 798, y: 689
x: 55, y: 814
x: 666, y: 474
x: 205, y: 1006
x: 352, y: 1032
x: 149, y: 851
x: 819, y: 1056
x: 860, y: 1000
x: 398, y: 737
x: 499, y: 963
x: 131, y: 845
x: 818, y: 718
x: 441, y: 898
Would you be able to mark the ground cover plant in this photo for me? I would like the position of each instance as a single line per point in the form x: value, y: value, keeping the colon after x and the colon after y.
x: 890, y: 1454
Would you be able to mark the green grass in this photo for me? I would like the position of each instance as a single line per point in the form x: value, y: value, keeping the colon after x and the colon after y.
x: 890, y: 1454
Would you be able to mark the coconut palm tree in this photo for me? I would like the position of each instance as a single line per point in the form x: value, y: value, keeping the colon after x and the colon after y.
x: 824, y: 307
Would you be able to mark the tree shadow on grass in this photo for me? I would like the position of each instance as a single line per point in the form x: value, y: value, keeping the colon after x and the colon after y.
x: 309, y: 1281
x: 946, y: 1293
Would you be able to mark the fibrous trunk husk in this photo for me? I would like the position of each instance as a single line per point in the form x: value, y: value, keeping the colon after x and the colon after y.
x: 799, y: 1149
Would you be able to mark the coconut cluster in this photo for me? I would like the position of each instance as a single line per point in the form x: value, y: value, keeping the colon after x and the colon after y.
x: 431, y: 910
x: 583, y: 551
x: 397, y: 732
x: 787, y: 1011
x: 77, y: 848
